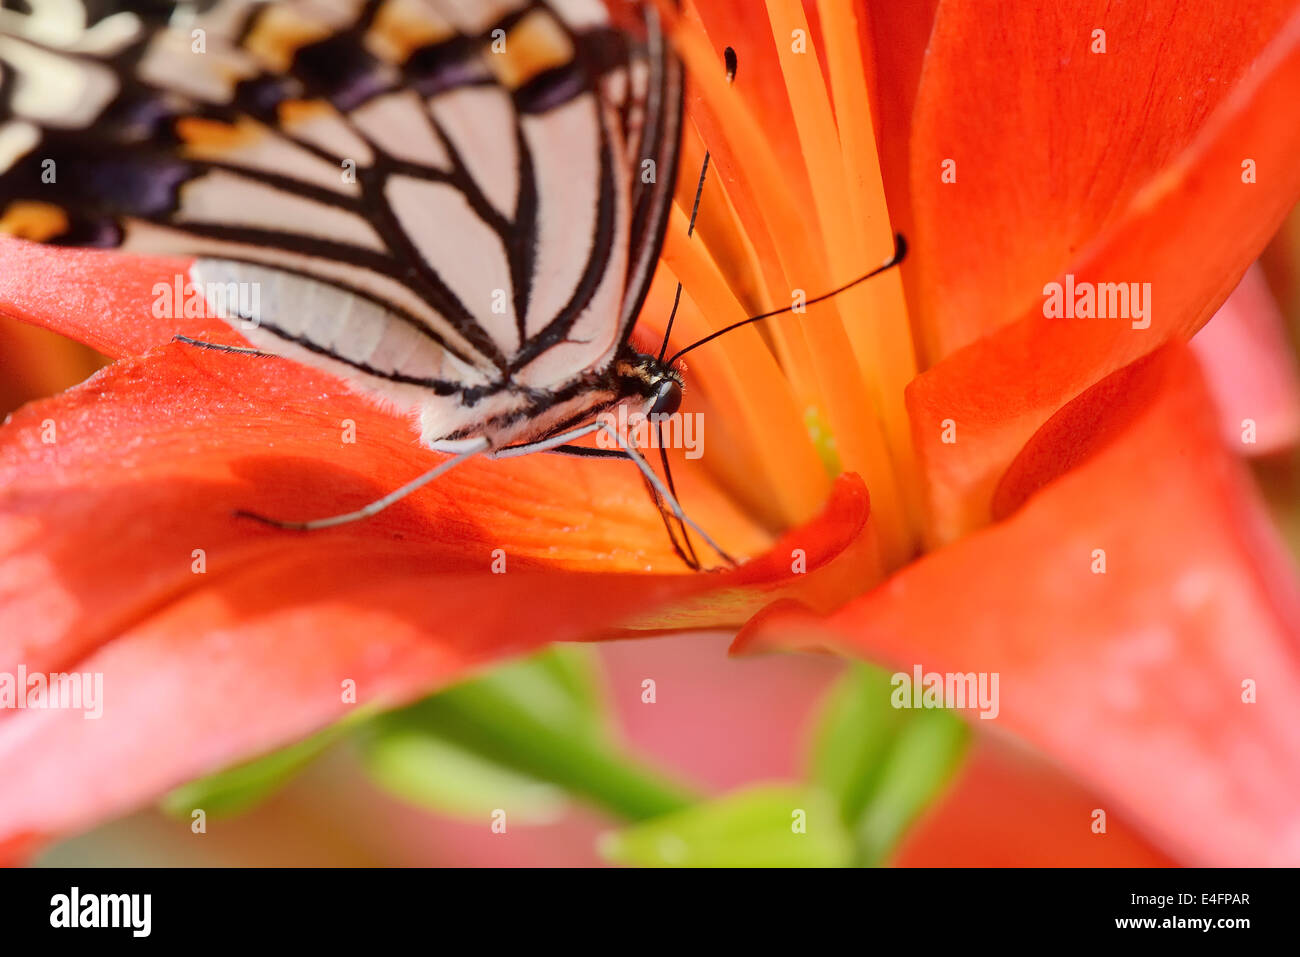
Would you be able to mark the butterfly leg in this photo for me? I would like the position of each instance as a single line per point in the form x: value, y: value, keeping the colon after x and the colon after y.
x: 686, y: 554
x: 379, y: 504
x: 220, y: 347
x: 566, y: 438
x: 680, y: 528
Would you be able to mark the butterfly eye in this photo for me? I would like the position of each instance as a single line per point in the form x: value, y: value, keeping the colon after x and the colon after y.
x: 668, y: 399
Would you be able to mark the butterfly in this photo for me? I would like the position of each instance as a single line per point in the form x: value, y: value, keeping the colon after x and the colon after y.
x: 456, y: 206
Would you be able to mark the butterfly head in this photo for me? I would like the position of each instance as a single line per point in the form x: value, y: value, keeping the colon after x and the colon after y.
x: 653, y: 382
x: 668, y: 395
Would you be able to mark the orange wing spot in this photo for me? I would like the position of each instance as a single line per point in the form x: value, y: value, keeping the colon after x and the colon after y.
x: 279, y: 34
x: 211, y: 138
x: 403, y: 26
x: 298, y: 112
x: 38, y: 222
x: 535, y: 45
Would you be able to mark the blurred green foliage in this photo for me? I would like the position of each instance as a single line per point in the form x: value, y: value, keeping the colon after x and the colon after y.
x: 765, y: 826
x: 533, y: 735
x: 883, y: 765
x: 238, y: 788
x: 538, y: 723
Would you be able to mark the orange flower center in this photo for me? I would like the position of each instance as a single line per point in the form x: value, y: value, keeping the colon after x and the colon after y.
x: 800, y: 398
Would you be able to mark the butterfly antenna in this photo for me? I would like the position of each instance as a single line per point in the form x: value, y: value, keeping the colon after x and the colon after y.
x: 732, y: 65
x: 677, y: 301
x: 900, y: 253
x: 699, y: 194
x: 690, y: 231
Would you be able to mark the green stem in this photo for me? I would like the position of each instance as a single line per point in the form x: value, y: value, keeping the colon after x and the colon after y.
x: 615, y: 781
x: 496, y: 726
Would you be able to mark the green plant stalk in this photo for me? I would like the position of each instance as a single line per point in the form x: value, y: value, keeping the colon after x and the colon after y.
x: 584, y: 765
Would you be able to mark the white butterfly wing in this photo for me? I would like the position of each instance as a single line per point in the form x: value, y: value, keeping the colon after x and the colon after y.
x: 441, y: 201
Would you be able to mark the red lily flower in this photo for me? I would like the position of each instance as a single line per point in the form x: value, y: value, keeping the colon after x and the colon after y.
x: 1071, y: 436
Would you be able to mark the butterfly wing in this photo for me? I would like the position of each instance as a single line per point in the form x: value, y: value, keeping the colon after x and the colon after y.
x: 445, y: 202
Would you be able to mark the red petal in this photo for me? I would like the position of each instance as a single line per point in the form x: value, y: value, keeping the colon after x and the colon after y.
x: 896, y: 37
x: 103, y: 299
x: 1191, y: 234
x: 1006, y: 809
x: 1053, y: 141
x: 1131, y: 680
x: 150, y: 458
